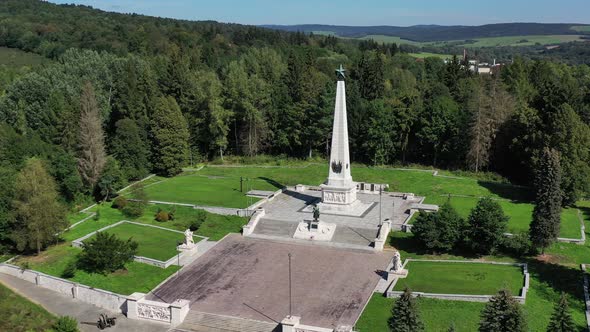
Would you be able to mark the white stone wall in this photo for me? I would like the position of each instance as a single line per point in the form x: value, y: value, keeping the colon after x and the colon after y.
x: 97, y: 297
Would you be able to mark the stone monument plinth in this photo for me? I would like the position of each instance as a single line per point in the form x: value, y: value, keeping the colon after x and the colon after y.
x: 315, y: 230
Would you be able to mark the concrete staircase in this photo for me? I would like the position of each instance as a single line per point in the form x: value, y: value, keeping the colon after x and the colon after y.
x: 204, y: 322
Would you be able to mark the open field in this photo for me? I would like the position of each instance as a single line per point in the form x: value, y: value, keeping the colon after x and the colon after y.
x: 137, y: 277
x: 524, y: 40
x: 581, y: 28
x: 20, y: 314
x: 461, y: 278
x: 12, y: 57
x: 423, y: 55
x: 152, y: 242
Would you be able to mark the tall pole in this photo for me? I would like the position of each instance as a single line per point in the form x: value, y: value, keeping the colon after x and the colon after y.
x: 380, y: 200
x: 290, y: 292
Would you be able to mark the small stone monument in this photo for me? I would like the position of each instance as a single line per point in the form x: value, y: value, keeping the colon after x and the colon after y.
x: 315, y: 229
x: 397, y: 270
x: 189, y: 242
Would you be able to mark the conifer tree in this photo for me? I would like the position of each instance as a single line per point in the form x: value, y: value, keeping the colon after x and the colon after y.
x: 502, y: 314
x: 405, y: 315
x: 544, y: 227
x: 170, y: 134
x: 561, y: 319
x: 92, y: 155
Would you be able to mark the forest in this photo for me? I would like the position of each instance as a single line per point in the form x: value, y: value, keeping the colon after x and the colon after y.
x: 128, y: 95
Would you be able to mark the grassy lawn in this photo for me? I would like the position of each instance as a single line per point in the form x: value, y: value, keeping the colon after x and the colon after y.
x: 20, y: 314
x: 423, y: 55
x: 152, y: 242
x: 201, y: 189
x: 74, y: 217
x: 215, y: 226
x: 461, y: 278
x: 520, y: 214
x: 137, y: 277
x: 558, y: 272
x: 437, y: 315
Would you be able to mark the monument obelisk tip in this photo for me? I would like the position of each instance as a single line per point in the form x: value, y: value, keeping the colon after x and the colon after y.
x: 340, y: 73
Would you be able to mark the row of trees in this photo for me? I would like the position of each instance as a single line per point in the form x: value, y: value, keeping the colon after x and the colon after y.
x: 501, y: 314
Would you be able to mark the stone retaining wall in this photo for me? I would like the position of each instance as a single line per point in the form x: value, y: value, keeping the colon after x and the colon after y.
x: 98, y: 297
x: 521, y: 298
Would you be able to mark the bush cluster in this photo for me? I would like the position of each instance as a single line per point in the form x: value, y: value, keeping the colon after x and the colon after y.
x: 120, y: 202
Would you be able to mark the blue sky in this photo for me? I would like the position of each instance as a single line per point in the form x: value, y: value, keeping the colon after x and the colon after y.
x: 356, y: 12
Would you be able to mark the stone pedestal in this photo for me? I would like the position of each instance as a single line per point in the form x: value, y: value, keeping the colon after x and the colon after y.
x: 290, y: 323
x: 132, y: 305
x: 338, y: 195
x: 315, y: 230
x: 178, y: 311
x: 403, y: 273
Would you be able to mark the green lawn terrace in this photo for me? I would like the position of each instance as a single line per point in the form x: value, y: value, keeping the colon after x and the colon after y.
x: 137, y: 277
x: 520, y: 213
x: 153, y: 242
x: 558, y: 272
x: 220, y: 185
x: 461, y: 278
x: 214, y: 227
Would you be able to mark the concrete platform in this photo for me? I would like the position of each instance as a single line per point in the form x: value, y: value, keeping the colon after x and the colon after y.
x: 295, y: 206
x: 248, y: 278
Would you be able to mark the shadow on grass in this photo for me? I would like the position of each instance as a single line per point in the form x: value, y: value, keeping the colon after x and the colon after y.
x: 272, y: 182
x: 516, y: 194
x: 406, y: 242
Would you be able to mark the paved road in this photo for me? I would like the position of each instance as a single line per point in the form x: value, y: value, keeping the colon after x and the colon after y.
x: 85, y: 313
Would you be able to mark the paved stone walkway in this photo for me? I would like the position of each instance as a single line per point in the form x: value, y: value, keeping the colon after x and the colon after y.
x: 86, y: 314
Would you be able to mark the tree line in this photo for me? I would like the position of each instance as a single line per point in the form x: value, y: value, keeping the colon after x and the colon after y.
x: 128, y: 95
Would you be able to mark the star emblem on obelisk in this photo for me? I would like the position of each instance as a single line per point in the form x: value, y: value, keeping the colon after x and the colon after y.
x: 340, y: 72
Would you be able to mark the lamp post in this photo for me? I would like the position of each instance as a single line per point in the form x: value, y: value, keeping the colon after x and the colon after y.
x: 380, y: 200
x: 290, y: 292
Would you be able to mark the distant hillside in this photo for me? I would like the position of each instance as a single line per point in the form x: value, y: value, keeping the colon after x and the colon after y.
x: 433, y: 33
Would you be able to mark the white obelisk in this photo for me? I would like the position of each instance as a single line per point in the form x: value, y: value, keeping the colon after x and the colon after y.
x: 339, y: 187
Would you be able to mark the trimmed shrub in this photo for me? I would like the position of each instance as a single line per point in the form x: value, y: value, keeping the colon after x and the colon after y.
x: 97, y: 215
x: 65, y: 324
x: 162, y: 216
x: 518, y: 245
x: 198, y: 221
x: 70, y: 270
x: 119, y: 202
x: 133, y: 210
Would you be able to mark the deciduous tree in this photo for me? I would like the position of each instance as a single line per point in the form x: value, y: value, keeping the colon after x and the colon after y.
x: 91, y: 150
x: 38, y: 213
x: 486, y: 226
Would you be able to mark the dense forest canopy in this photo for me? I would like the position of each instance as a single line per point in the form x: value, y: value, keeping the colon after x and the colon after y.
x: 128, y: 95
